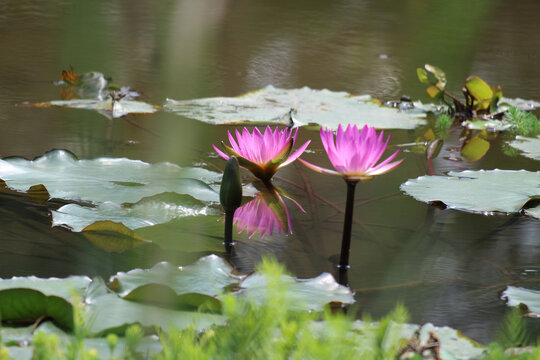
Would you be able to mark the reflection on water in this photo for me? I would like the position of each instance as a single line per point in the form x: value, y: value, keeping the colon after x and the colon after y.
x: 448, y: 267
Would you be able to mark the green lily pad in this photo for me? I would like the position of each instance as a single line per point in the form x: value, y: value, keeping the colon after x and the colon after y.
x: 453, y: 344
x: 311, y: 294
x: 272, y: 105
x: 515, y: 296
x: 530, y: 147
x: 109, y: 312
x: 18, y: 341
x: 193, y: 285
x: 485, y: 191
x: 104, y: 179
x: 489, y: 125
x: 157, y: 209
x: 29, y: 298
x: 109, y: 108
x: 522, y: 104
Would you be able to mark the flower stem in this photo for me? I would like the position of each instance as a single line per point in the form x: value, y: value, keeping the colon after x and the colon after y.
x: 229, y: 216
x: 347, y: 226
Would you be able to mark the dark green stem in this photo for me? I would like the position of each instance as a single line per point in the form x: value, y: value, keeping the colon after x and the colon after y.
x: 347, y: 225
x: 229, y: 216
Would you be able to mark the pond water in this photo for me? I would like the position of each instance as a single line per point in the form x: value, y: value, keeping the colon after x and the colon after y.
x: 447, y: 267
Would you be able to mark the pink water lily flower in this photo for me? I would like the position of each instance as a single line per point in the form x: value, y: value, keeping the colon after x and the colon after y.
x: 263, y: 154
x: 355, y: 154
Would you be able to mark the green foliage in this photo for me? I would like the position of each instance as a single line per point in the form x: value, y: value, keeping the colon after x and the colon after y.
x: 442, y: 125
x: 526, y: 124
x: 479, y: 96
x: 512, y: 332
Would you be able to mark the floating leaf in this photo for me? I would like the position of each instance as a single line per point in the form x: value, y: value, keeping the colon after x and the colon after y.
x: 103, y: 179
x: 519, y: 103
x: 475, y: 149
x: 109, y: 312
x: 504, y: 191
x: 312, y: 294
x: 192, y: 285
x: 19, y: 342
x: 112, y: 236
x: 529, y: 146
x: 106, y: 107
x: 272, y: 105
x: 148, y: 211
x: 29, y: 298
x: 515, y: 296
x: 488, y: 125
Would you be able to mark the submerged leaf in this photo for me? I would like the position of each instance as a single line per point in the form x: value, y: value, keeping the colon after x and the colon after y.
x: 505, y: 191
x: 475, y: 149
x: 112, y: 236
x: 272, y: 105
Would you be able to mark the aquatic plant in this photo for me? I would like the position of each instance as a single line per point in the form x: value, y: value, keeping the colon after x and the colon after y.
x: 263, y: 154
x: 230, y: 195
x: 479, y: 96
x: 354, y: 154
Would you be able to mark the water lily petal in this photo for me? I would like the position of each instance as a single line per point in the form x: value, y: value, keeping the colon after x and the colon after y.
x: 295, y: 154
x: 318, y: 168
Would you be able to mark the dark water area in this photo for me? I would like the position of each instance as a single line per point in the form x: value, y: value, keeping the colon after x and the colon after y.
x: 447, y: 267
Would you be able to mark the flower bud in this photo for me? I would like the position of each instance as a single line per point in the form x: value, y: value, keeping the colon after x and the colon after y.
x: 230, y: 193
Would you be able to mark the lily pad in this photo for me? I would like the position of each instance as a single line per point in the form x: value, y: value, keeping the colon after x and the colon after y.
x: 522, y: 104
x: 515, y: 296
x: 311, y: 294
x: 301, y: 107
x: 108, y: 107
x: 157, y: 209
x: 109, y: 312
x: 489, y: 125
x: 192, y: 285
x: 529, y: 146
x: 105, y: 179
x: 29, y: 298
x: 486, y: 191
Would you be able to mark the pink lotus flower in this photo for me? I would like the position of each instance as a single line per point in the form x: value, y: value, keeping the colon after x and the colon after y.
x: 355, y: 154
x: 263, y: 154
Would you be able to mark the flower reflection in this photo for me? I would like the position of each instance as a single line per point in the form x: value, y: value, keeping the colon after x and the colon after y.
x: 266, y: 213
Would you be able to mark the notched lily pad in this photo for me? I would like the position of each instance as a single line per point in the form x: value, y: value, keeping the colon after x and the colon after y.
x: 486, y: 191
x: 530, y: 147
x: 301, y: 107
